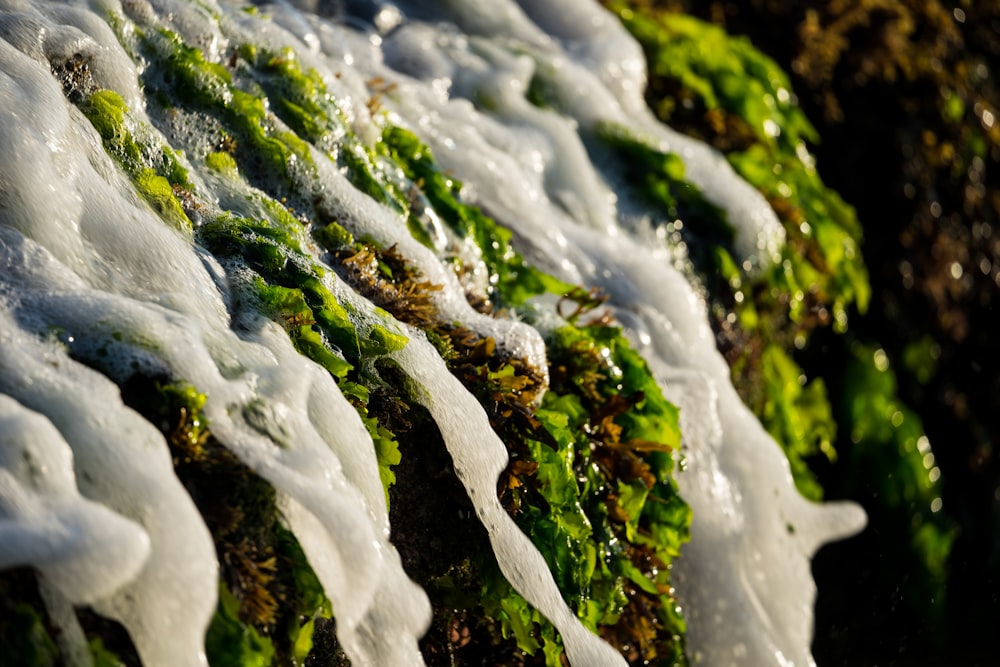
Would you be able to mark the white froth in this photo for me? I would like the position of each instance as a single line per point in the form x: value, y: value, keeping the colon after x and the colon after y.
x: 46, y: 523
x: 122, y: 462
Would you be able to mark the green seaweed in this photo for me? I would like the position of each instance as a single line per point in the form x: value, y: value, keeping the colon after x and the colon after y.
x: 154, y: 169
x: 160, y: 194
x: 722, y: 70
x: 749, y: 111
x: 289, y: 288
x: 222, y: 163
x: 180, y: 75
x: 231, y: 643
x: 512, y: 281
x: 799, y: 415
x: 101, y: 656
x: 267, y: 587
x: 893, y: 467
x: 300, y: 98
x: 590, y: 482
x: 660, y: 177
x: 23, y: 635
x: 824, y: 257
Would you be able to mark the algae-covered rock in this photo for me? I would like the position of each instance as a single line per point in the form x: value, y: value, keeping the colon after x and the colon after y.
x: 383, y: 333
x: 903, y: 102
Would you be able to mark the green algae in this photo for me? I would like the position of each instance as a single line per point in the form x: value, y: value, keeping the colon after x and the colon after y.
x: 660, y: 178
x: 222, y: 163
x: 723, y: 70
x: 289, y: 290
x: 512, y: 281
x: 230, y: 643
x: 266, y: 585
x: 159, y: 193
x: 300, y: 98
x: 798, y: 414
x: 179, y: 75
x: 154, y: 169
x: 590, y: 482
x: 23, y: 633
x: 101, y: 656
x: 591, y: 479
x: 740, y: 100
x: 830, y: 278
x: 551, y: 454
x: 910, y: 55
x: 889, y: 436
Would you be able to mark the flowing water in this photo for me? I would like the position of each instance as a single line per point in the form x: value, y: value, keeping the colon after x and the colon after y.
x: 91, y: 278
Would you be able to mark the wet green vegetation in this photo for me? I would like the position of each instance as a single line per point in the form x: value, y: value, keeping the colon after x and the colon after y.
x: 590, y: 477
x: 745, y: 106
x: 593, y: 449
x: 901, y: 109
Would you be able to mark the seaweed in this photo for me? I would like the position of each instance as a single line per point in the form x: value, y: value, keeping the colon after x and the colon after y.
x: 659, y: 177
x: 592, y: 450
x: 179, y: 75
x: 157, y: 174
x: 270, y: 602
x: 26, y: 634
x: 889, y: 436
x: 590, y: 482
x: 512, y: 281
x: 902, y: 96
x: 721, y: 88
